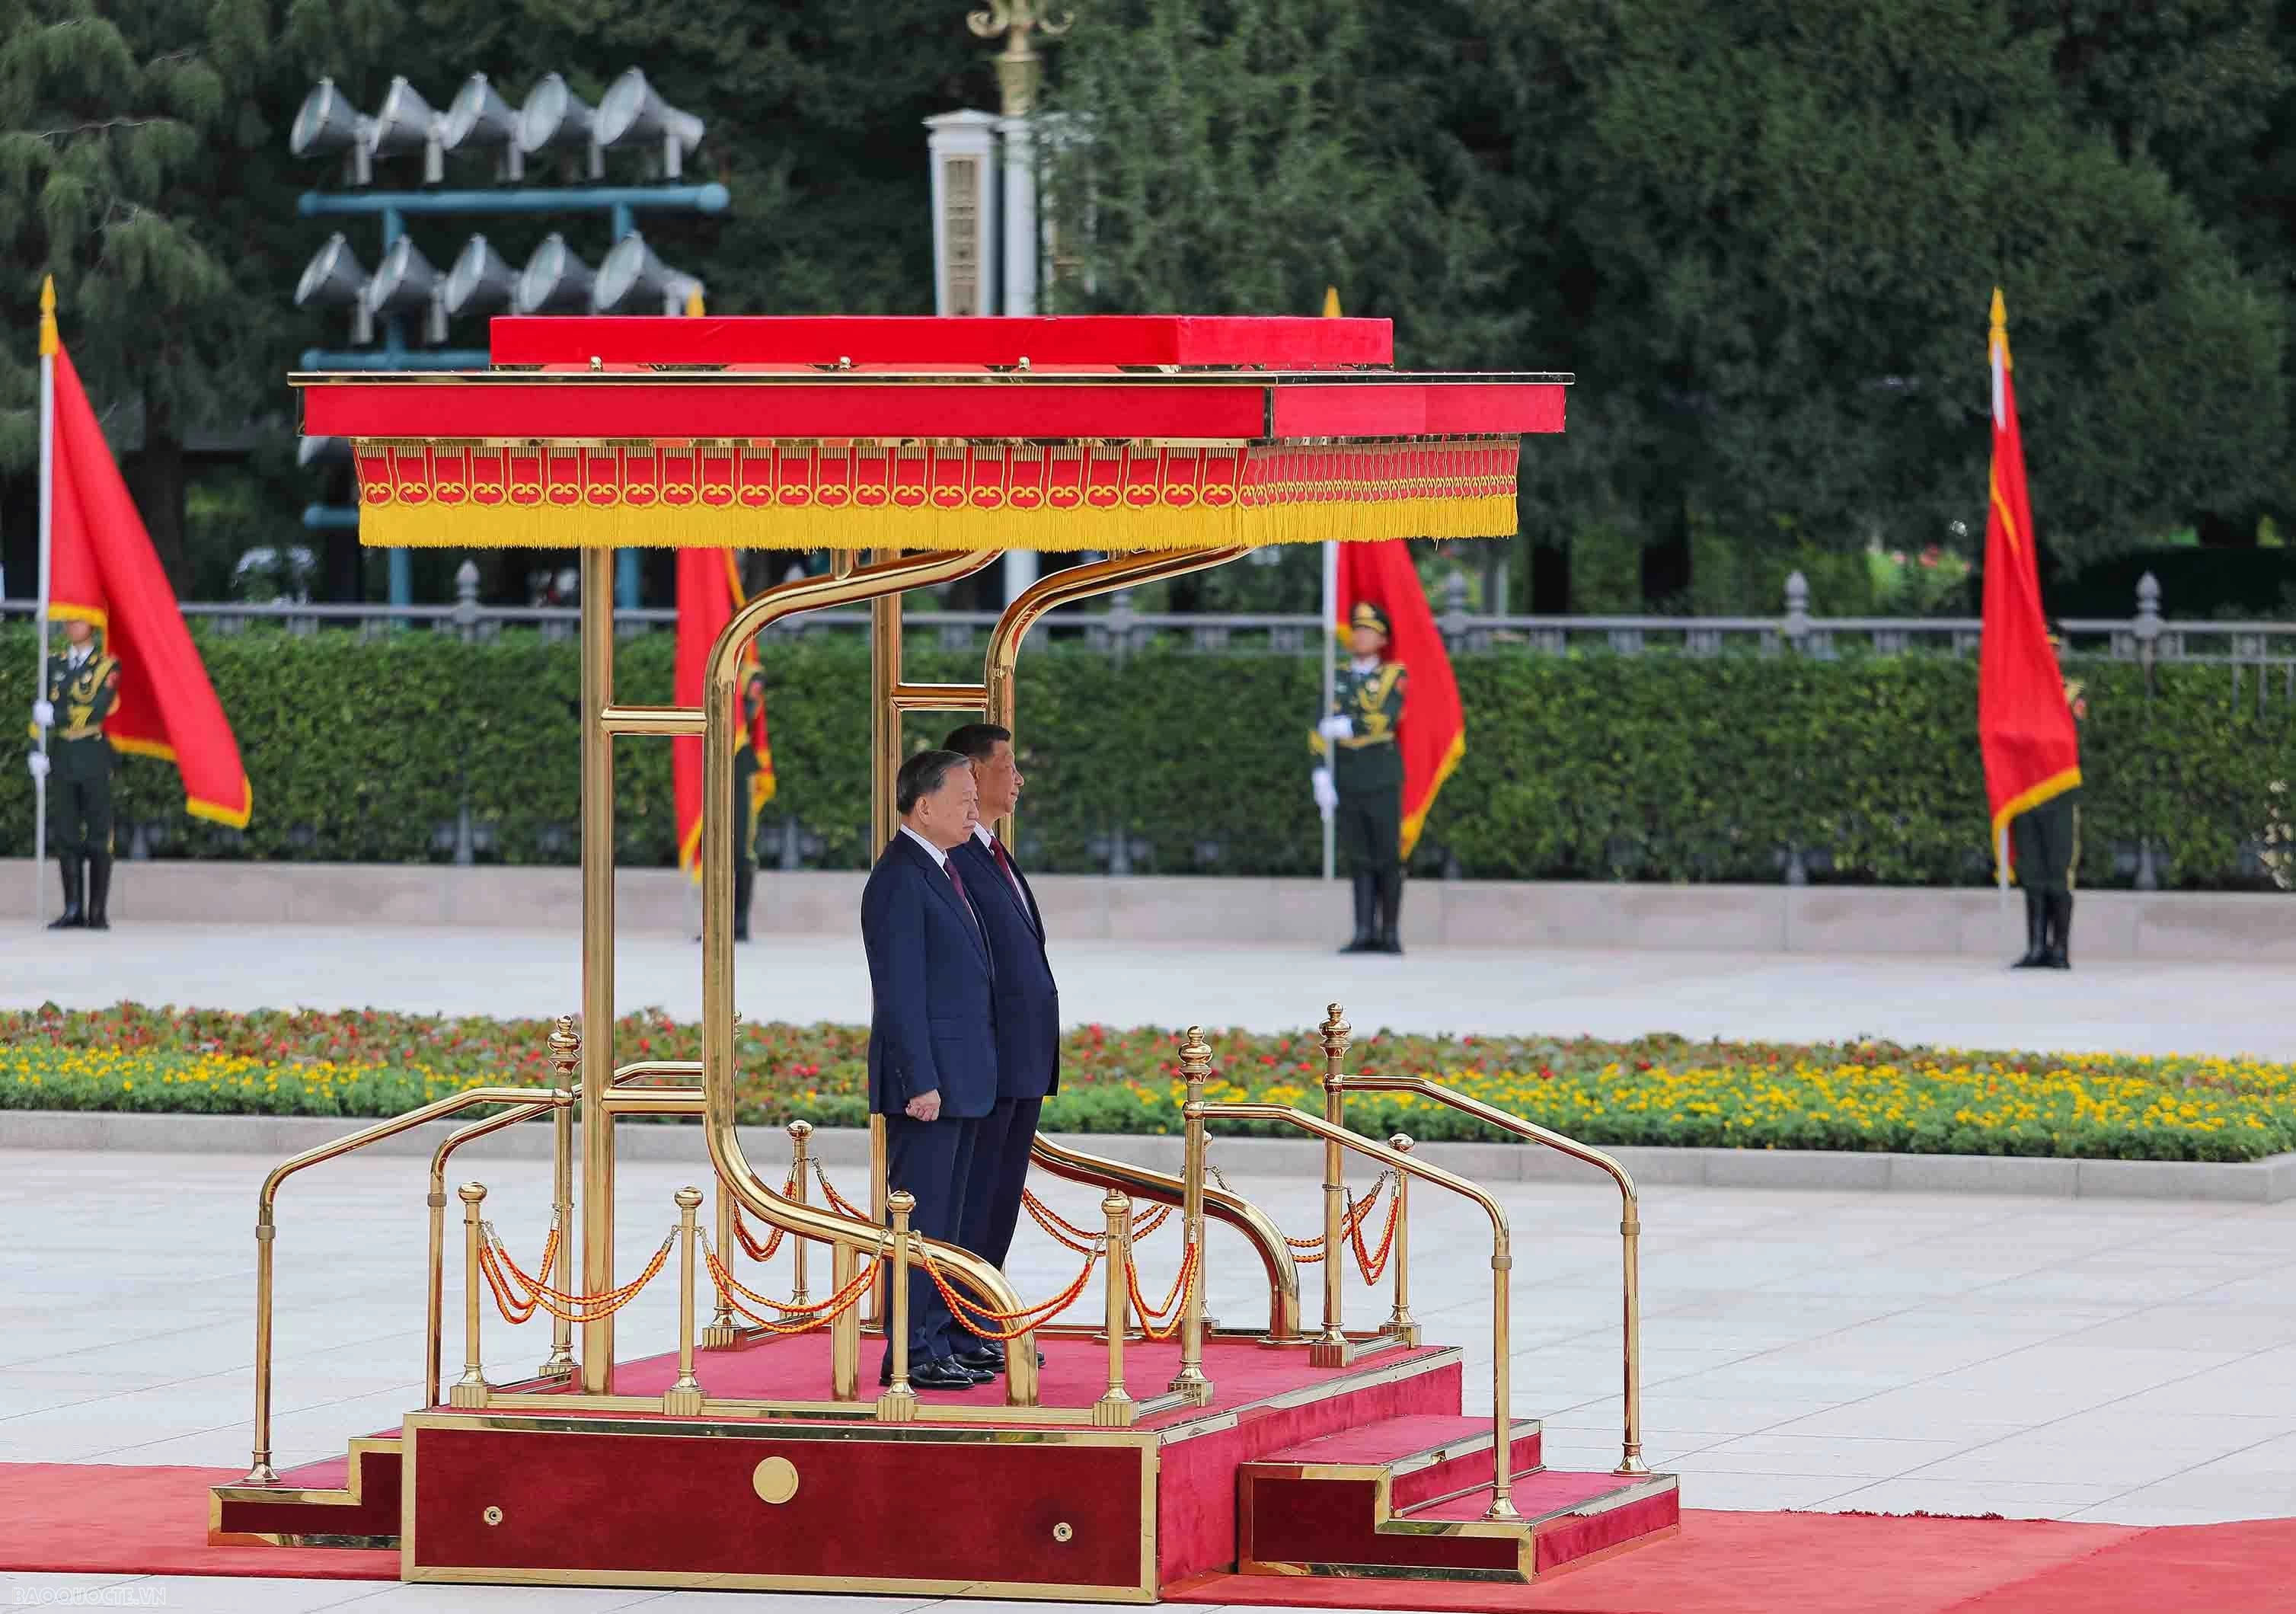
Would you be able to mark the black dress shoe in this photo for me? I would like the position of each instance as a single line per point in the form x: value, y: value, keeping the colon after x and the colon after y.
x: 942, y: 1373
x: 989, y: 1358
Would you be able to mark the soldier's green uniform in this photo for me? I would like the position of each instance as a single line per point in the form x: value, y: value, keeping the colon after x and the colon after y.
x: 745, y: 829
x: 79, y: 762
x: 2045, y: 843
x: 1367, y: 774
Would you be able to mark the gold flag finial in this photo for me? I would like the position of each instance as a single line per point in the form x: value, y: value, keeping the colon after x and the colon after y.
x: 694, y: 304
x: 49, y: 341
x: 1998, y: 341
x: 1331, y: 302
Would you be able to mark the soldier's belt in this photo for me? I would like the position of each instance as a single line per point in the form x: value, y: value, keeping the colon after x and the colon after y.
x: 1357, y: 742
x: 94, y: 731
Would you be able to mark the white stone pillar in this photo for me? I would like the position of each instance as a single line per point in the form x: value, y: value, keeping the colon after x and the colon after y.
x: 963, y: 156
x: 1023, y: 254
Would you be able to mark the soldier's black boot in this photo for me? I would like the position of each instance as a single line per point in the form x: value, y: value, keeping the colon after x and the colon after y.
x: 745, y: 879
x: 99, y: 891
x: 1390, y: 911
x: 74, y: 916
x: 1366, y: 902
x: 2061, y: 925
x: 2037, y: 932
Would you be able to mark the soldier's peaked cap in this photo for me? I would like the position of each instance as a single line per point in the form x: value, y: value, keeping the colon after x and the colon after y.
x: 1368, y: 616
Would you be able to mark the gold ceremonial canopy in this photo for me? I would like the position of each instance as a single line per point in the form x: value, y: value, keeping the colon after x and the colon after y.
x: 1112, y: 433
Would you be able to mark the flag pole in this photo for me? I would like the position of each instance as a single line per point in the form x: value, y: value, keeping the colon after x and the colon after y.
x: 48, y: 344
x: 1330, y: 637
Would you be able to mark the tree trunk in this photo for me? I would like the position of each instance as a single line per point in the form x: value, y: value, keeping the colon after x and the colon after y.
x: 156, y: 475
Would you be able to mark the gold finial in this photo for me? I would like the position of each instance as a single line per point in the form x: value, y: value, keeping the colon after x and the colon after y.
x: 1336, y: 1032
x: 801, y: 1130
x: 693, y: 305
x: 1018, y: 66
x: 1997, y: 341
x: 1331, y: 302
x: 565, y: 1046
x: 1400, y: 1143
x: 50, y: 343
x: 1195, y: 1056
x: 687, y: 1198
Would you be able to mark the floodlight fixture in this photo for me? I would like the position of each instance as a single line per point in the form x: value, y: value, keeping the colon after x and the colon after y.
x: 405, y: 283
x: 405, y: 123
x: 555, y: 116
x: 632, y: 112
x: 327, y: 122
x: 554, y: 280
x: 480, y: 120
x: 632, y: 276
x: 479, y: 282
x: 335, y: 279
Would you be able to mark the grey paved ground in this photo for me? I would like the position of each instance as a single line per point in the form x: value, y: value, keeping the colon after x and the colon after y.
x: 2137, y: 1007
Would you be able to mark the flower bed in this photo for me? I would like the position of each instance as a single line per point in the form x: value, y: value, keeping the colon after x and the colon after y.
x: 1661, y: 1089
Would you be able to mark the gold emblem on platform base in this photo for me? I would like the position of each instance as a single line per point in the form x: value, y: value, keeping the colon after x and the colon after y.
x: 1064, y: 1532
x: 492, y: 1515
x: 775, y: 1481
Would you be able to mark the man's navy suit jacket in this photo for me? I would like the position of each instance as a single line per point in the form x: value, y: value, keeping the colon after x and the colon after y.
x: 933, y: 1026
x: 1028, y: 1000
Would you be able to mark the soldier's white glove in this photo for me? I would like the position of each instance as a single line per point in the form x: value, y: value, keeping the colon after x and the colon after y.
x: 37, y: 762
x: 42, y: 715
x: 1327, y: 796
x: 1336, y: 727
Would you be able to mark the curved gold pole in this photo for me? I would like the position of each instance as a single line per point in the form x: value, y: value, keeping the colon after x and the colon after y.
x: 1258, y: 1229
x: 259, y: 1469
x: 1501, y: 1261
x: 1631, y: 1228
x: 720, y: 697
x: 999, y: 684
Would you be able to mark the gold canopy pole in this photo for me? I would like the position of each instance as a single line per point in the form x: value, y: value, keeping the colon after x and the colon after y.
x: 598, y: 960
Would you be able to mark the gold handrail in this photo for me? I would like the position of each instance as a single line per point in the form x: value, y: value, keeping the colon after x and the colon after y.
x: 259, y: 1469
x: 1630, y: 1225
x: 1255, y: 1225
x: 1502, y: 1256
x: 720, y: 701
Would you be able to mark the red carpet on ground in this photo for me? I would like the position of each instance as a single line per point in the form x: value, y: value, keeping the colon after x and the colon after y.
x: 104, y: 1518
x: 107, y: 1518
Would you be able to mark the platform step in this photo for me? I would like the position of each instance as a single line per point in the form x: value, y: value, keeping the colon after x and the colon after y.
x: 342, y: 1501
x: 1410, y: 1498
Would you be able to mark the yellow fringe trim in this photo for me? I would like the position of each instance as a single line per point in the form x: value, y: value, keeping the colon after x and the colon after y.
x: 2025, y: 801
x: 214, y: 813
x: 1448, y: 766
x: 395, y: 526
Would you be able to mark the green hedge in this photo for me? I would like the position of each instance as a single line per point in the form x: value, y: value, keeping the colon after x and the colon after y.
x: 1657, y: 767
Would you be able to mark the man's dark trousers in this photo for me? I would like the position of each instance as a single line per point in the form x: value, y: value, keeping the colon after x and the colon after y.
x: 1028, y: 1045
x: 931, y: 1160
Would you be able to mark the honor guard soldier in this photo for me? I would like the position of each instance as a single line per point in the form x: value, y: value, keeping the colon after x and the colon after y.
x: 745, y: 821
x: 2046, y: 842
x: 81, y: 685
x: 1362, y: 784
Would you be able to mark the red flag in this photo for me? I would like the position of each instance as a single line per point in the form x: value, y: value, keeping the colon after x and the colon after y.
x: 2024, y: 727
x: 104, y: 571
x: 1433, y: 733
x: 709, y: 591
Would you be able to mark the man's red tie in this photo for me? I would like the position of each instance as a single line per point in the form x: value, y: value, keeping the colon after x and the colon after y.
x: 1004, y: 863
x: 963, y: 896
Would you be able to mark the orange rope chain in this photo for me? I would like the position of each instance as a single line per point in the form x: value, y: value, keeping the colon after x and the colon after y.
x: 493, y: 1256
x: 838, y: 1202
x: 1162, y: 1322
x: 1374, y: 1268
x: 1083, y: 1240
x: 810, y: 1317
x: 1027, y: 1320
x: 1348, y: 1223
x: 766, y: 1251
x: 514, y: 1311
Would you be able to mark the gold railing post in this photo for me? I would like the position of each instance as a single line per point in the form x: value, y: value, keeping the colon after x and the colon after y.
x: 1196, y: 1067
x: 598, y: 1054
x: 1331, y: 1347
x: 800, y: 1131
x: 844, y: 1328
x: 1117, y: 1409
x: 566, y: 1058
x: 683, y: 1398
x: 875, y: 1316
x: 259, y: 1470
x: 1502, y: 1389
x: 898, y: 1404
x: 1401, y: 1323
x: 1630, y: 1231
x: 470, y: 1388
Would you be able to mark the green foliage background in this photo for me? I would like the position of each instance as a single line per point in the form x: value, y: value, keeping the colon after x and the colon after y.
x: 1658, y: 767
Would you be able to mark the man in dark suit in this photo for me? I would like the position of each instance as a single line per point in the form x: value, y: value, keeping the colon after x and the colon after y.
x: 1027, y: 1011
x: 933, y: 1035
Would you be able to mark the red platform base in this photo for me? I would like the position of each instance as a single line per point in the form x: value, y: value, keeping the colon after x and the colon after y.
x: 1291, y: 1470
